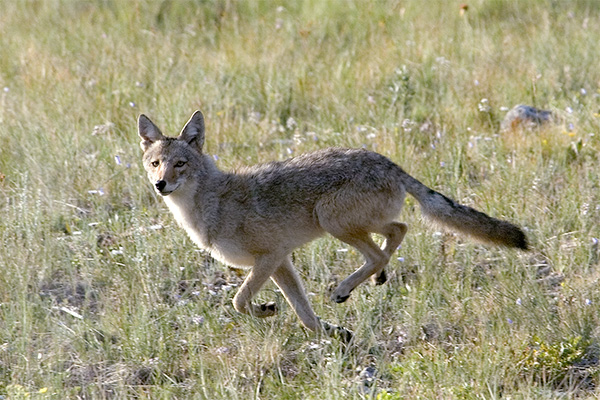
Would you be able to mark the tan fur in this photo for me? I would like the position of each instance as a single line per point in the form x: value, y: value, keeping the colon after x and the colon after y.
x: 257, y: 216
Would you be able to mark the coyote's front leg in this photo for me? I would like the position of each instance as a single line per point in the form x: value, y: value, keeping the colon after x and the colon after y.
x: 263, y: 269
x: 287, y: 279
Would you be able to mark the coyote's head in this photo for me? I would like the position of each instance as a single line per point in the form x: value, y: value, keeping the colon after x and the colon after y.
x: 170, y: 162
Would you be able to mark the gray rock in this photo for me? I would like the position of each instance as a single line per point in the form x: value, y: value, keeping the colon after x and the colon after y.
x: 526, y: 117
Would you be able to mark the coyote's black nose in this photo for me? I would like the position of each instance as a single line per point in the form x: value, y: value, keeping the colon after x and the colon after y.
x: 160, y: 185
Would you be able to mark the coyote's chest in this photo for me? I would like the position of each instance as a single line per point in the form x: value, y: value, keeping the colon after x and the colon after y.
x: 191, y: 218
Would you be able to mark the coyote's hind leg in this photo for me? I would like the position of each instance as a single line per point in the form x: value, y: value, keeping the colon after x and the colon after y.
x: 394, y: 235
x: 375, y: 260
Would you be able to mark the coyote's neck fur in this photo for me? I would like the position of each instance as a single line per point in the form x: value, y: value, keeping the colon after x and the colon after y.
x: 195, y: 206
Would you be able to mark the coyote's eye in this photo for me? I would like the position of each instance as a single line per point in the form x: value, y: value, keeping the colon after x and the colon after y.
x: 155, y: 163
x: 179, y: 164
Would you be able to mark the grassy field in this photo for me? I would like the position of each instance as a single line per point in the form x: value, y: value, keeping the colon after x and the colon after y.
x: 102, y: 296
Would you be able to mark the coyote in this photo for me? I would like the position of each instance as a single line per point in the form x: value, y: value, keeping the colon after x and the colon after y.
x: 258, y: 215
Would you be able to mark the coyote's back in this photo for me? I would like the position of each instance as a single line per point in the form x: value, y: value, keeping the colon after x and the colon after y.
x: 258, y: 215
x: 365, y: 187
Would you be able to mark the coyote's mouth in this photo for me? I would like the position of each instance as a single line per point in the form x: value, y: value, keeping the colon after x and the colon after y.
x: 163, y: 188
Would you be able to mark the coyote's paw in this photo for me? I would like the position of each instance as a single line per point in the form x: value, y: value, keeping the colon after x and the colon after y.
x: 339, y: 298
x: 380, y: 278
x: 345, y: 335
x: 264, y: 310
x: 341, y: 294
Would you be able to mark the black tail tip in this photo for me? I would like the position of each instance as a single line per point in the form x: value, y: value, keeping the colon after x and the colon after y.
x: 520, y: 241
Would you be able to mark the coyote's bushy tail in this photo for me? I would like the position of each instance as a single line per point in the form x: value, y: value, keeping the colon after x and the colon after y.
x: 465, y: 219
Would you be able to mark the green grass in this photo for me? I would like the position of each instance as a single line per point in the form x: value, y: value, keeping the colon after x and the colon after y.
x: 102, y: 296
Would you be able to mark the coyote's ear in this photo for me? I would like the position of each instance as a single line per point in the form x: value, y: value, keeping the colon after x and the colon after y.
x: 148, y: 132
x: 193, y: 131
